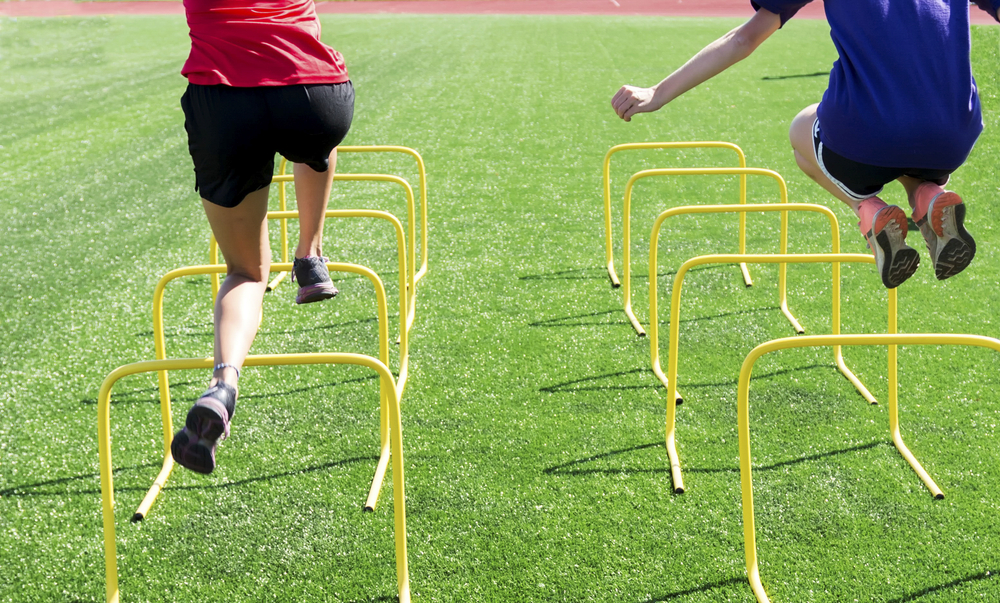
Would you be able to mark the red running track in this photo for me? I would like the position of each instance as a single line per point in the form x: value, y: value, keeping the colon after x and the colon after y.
x: 678, y: 8
x: 687, y: 8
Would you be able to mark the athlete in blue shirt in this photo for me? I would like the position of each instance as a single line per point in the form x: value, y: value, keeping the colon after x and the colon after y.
x: 901, y: 105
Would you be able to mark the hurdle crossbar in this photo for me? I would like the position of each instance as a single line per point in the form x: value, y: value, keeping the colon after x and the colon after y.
x: 671, y: 378
x: 743, y: 415
x: 396, y: 443
x: 741, y: 171
x: 606, y: 172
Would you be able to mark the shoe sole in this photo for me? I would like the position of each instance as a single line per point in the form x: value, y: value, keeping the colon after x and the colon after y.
x: 315, y: 293
x: 957, y: 247
x: 194, y: 446
x: 897, y: 260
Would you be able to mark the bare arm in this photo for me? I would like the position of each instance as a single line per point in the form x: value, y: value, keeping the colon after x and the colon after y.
x: 715, y: 58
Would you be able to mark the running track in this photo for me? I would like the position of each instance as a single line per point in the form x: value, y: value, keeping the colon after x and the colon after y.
x: 679, y: 8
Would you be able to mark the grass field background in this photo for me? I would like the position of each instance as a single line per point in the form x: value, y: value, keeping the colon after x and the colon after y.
x: 533, y: 425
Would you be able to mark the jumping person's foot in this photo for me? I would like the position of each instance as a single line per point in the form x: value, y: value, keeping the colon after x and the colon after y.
x: 207, y: 424
x: 313, y: 278
x: 941, y: 221
x: 884, y: 227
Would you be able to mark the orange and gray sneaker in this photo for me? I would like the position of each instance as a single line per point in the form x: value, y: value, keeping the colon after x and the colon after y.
x: 895, y: 260
x: 942, y: 223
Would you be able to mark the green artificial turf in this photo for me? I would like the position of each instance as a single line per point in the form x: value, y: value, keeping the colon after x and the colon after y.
x: 533, y: 425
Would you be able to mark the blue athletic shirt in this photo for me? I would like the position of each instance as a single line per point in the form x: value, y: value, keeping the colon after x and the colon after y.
x: 902, y: 92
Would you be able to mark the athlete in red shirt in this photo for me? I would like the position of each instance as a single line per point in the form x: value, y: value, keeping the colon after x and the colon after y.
x: 260, y: 82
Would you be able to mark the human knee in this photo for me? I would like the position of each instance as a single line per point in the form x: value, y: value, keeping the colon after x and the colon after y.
x: 249, y: 272
x: 800, y: 131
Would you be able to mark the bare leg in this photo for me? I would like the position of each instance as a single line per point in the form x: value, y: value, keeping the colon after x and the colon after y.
x: 801, y: 136
x: 312, y: 193
x: 883, y: 226
x: 241, y: 232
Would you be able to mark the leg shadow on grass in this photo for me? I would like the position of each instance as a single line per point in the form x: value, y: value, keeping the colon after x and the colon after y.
x: 573, y: 467
x: 726, y: 584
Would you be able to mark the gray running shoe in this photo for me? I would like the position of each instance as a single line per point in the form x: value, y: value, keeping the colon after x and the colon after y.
x: 950, y: 245
x: 314, y: 280
x: 895, y: 260
x: 207, y: 424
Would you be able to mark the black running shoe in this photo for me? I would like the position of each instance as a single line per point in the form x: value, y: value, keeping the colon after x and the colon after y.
x: 207, y: 424
x: 313, y: 278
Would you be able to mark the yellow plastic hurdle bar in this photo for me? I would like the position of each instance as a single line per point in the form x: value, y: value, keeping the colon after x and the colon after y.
x: 667, y: 145
x: 164, y: 382
x: 345, y: 213
x: 395, y: 428
x: 743, y: 415
x: 670, y: 379
x: 422, y: 173
x: 720, y: 209
x: 741, y: 171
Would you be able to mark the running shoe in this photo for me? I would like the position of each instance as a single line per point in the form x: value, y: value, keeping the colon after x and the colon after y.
x: 951, y: 246
x: 895, y: 260
x: 207, y: 424
x: 313, y: 278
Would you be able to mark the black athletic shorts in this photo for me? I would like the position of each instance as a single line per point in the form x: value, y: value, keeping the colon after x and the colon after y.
x: 233, y: 133
x: 861, y: 181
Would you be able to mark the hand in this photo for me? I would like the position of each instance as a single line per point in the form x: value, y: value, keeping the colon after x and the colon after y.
x: 631, y: 100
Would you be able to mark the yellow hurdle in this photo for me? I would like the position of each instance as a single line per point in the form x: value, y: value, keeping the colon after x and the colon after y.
x: 389, y: 393
x: 213, y: 251
x: 719, y: 209
x: 743, y: 414
x: 283, y: 201
x: 670, y: 379
x: 164, y: 382
x: 741, y: 171
x: 667, y: 145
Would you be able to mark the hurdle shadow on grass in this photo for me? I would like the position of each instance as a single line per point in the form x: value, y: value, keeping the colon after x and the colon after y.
x: 135, y: 396
x: 21, y: 491
x: 920, y: 594
x: 276, y: 476
x: 204, y: 328
x: 327, y: 327
x: 910, y: 598
x: 732, y: 582
x: 586, y: 274
x: 588, y: 384
x: 309, y: 388
x: 795, y: 76
x: 566, y: 468
x: 580, y: 320
x: 777, y: 373
x: 580, y: 274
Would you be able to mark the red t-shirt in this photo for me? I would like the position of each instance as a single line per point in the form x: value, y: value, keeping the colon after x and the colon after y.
x: 247, y: 43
